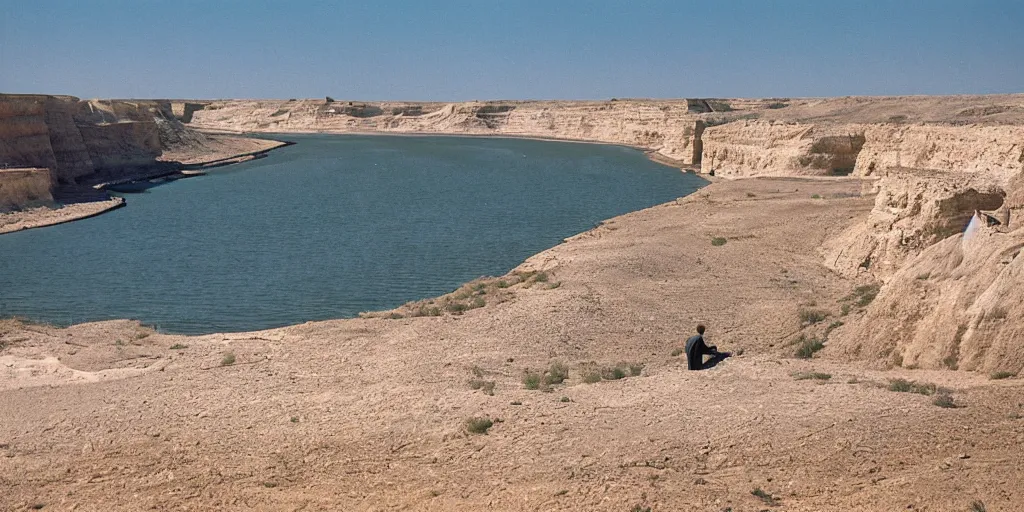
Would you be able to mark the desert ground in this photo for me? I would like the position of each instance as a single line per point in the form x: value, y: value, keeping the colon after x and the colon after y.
x: 371, y: 413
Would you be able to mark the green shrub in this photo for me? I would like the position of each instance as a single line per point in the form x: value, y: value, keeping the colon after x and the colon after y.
x: 635, y: 369
x: 808, y: 347
x: 765, y: 497
x: 718, y: 241
x: 541, y: 277
x: 908, y: 386
x: 591, y: 376
x: 613, y: 373
x: 456, y: 308
x: 487, y: 386
x: 531, y: 380
x: 866, y: 293
x: 478, y: 302
x: 945, y: 401
x: 812, y: 376
x: 503, y: 284
x: 556, y: 374
x: 478, y: 425
x: 229, y: 359
x: 1001, y: 375
x: 815, y: 196
x: 677, y: 352
x: 178, y: 346
x: 812, y: 316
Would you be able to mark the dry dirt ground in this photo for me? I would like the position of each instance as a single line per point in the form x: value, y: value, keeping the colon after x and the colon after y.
x: 369, y: 414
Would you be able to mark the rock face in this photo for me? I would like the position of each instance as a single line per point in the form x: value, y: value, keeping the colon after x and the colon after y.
x: 24, y: 187
x: 76, y: 138
x: 665, y: 127
x: 766, y: 148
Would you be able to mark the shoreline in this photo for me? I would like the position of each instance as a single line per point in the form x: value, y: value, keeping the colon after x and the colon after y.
x: 651, y: 154
x: 44, y: 216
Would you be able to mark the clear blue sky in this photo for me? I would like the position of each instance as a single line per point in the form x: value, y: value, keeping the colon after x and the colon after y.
x: 491, y: 49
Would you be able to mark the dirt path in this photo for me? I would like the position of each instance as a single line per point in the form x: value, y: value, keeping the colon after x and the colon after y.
x: 369, y: 414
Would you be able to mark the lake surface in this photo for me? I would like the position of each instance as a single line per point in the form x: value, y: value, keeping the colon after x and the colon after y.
x: 327, y: 228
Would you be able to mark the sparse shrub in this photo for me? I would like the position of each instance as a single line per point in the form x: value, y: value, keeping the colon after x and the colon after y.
x: 808, y: 346
x: 556, y: 374
x: 812, y: 376
x: 635, y: 369
x: 456, y: 308
x: 945, y: 401
x: 554, y: 285
x: 1001, y: 375
x: 845, y: 310
x: 591, y: 376
x: 718, y: 241
x: 295, y: 419
x: 613, y: 373
x: 476, y: 371
x: 677, y: 352
x: 564, y: 399
x: 908, y: 386
x: 832, y: 326
x: 395, y: 316
x: 815, y: 196
x: 478, y: 425
x: 640, y: 508
x: 503, y: 284
x: 478, y: 302
x: 541, y: 277
x: 228, y: 360
x: 751, y: 194
x: 978, y: 506
x: 812, y: 316
x: 269, y: 485
x: 900, y: 118
x: 487, y: 386
x: 777, y: 105
x: 866, y: 293
x: 765, y: 496
x: 178, y: 346
x: 532, y: 380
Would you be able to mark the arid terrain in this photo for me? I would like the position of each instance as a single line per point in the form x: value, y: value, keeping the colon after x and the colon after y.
x: 877, y: 343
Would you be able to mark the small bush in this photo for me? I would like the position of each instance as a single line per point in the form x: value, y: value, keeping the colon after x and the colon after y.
x: 808, y: 347
x: 478, y: 302
x: 832, y: 326
x: 1001, y: 375
x: 487, y: 386
x: 613, y: 373
x: 845, y: 310
x: 718, y: 241
x: 591, y: 376
x: 229, y: 359
x: 556, y: 374
x: 815, y: 196
x: 478, y: 425
x: 503, y: 284
x: 978, y: 506
x: 532, y: 380
x: 677, y: 352
x: 945, y: 401
x: 765, y: 497
x: 866, y: 293
x: 812, y: 376
x: 564, y: 399
x: 635, y: 369
x: 812, y: 316
x: 908, y: 386
x: 541, y: 277
x: 178, y: 346
x: 751, y: 194
x: 777, y: 105
x: 456, y: 308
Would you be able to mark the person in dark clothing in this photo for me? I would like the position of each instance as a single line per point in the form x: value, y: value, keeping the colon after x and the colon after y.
x: 696, y: 349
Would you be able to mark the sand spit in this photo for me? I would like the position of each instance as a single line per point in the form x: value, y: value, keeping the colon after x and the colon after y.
x: 370, y: 414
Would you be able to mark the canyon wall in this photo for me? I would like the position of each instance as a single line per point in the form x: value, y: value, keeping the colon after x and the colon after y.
x: 24, y: 187
x: 75, y: 138
x: 664, y: 127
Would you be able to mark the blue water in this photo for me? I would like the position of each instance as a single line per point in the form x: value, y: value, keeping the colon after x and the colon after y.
x: 329, y: 227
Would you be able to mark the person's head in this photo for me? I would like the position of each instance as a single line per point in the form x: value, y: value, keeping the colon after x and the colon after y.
x: 700, y: 328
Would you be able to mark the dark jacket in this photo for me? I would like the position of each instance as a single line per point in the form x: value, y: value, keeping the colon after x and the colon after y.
x: 695, y: 350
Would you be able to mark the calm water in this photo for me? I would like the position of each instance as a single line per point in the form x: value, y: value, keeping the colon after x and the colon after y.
x: 329, y: 227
